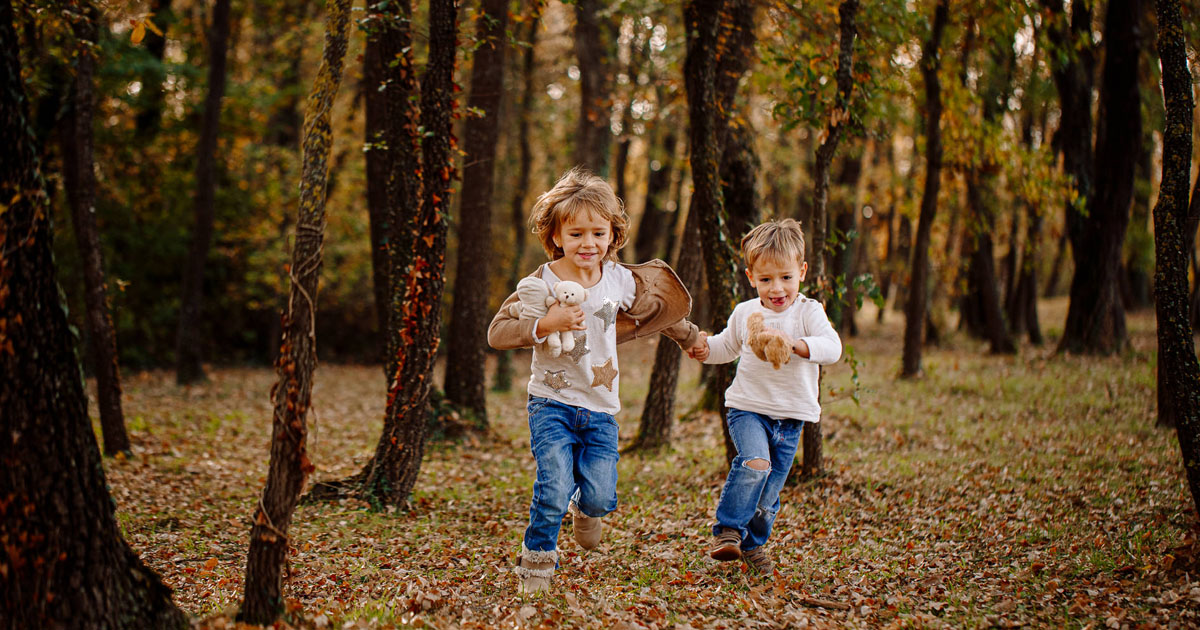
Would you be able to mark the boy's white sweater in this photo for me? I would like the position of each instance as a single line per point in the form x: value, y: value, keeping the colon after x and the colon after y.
x: 791, y: 391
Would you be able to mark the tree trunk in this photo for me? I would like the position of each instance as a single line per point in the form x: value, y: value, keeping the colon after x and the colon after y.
x: 503, y: 377
x: 80, y: 182
x: 595, y: 36
x: 658, y: 413
x: 65, y: 562
x: 1174, y: 229
x: 292, y: 394
x: 149, y: 118
x: 916, y: 313
x: 465, y: 381
x: 648, y: 242
x: 189, y: 344
x: 417, y: 287
x: 1096, y: 315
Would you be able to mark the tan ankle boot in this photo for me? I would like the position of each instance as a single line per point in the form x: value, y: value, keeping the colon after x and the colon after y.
x: 535, y: 570
x: 588, y: 529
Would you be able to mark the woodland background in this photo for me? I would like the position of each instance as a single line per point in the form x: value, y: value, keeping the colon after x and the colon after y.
x: 1012, y: 161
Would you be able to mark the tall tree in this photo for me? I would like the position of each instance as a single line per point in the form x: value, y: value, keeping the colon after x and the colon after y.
x: 292, y: 393
x: 189, y: 343
x: 65, y: 562
x: 465, y: 382
x: 915, y: 312
x: 654, y: 224
x: 503, y: 374
x: 658, y: 412
x: 595, y: 36
x: 79, y: 179
x: 813, y: 461
x: 417, y: 287
x: 1174, y: 228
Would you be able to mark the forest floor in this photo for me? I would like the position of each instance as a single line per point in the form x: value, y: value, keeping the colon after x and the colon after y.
x: 1029, y: 490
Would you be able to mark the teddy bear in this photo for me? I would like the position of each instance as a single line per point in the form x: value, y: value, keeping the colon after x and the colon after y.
x: 535, y: 301
x: 768, y: 344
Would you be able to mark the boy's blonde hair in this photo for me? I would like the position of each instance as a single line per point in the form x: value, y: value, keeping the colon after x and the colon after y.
x: 780, y: 241
x: 575, y: 192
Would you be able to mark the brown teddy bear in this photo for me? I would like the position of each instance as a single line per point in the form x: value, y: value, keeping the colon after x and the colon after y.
x: 768, y: 344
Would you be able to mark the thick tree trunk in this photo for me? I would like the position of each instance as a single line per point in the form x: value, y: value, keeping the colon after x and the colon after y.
x: 376, y: 95
x: 79, y: 179
x: 65, y: 563
x: 190, y: 339
x: 595, y: 36
x: 504, y: 372
x: 1174, y: 228
x: 915, y: 313
x: 1096, y: 316
x: 292, y: 393
x: 149, y: 118
x: 658, y: 412
x: 465, y: 381
x: 417, y: 287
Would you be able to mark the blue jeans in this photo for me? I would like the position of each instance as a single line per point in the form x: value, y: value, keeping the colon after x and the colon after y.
x: 750, y: 499
x: 576, y: 454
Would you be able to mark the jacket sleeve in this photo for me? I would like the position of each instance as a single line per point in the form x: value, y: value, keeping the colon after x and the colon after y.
x: 509, y: 333
x: 684, y: 333
x: 824, y: 344
x: 727, y: 345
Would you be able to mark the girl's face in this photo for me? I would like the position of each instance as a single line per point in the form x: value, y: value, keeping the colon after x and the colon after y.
x: 584, y: 240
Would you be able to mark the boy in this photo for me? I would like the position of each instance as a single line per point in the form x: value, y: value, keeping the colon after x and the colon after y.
x: 767, y: 406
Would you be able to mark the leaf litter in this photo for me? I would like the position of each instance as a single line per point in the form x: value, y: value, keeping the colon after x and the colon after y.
x: 1029, y: 491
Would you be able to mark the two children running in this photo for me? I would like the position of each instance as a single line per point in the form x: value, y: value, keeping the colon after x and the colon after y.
x: 573, y: 397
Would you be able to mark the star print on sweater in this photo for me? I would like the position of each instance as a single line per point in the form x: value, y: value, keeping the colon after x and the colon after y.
x: 604, y: 374
x: 607, y: 313
x: 580, y: 348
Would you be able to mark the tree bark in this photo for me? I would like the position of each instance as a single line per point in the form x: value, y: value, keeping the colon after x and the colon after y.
x: 503, y: 376
x: 1096, y: 315
x: 417, y: 287
x: 80, y: 182
x: 65, y: 562
x: 915, y: 312
x: 292, y: 393
x: 1174, y: 228
x: 652, y: 228
x: 190, y: 339
x: 595, y: 36
x: 465, y: 382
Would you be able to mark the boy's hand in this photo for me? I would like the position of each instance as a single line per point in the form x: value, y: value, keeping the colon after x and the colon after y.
x: 699, y: 351
x: 800, y: 347
x: 561, y: 318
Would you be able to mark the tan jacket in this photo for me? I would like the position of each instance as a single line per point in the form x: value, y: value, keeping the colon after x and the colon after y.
x: 660, y: 304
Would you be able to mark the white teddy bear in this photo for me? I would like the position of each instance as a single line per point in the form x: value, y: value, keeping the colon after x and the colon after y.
x: 535, y: 302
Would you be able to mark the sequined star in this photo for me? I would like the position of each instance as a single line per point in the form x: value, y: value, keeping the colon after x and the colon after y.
x: 556, y: 380
x: 580, y: 348
x: 607, y: 313
x: 604, y: 374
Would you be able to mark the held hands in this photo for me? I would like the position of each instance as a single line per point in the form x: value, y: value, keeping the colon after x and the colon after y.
x: 699, y: 351
x: 561, y: 318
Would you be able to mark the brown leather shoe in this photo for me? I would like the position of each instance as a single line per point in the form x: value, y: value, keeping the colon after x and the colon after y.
x: 760, y: 561
x: 588, y: 529
x: 727, y: 546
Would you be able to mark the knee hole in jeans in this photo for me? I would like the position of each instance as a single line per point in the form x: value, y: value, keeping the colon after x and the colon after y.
x: 757, y: 464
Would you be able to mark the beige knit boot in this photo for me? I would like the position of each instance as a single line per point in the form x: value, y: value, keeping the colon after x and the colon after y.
x: 535, y: 570
x: 588, y: 529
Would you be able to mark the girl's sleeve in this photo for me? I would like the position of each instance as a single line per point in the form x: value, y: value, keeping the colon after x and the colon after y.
x: 824, y: 344
x: 507, y: 332
x: 727, y: 345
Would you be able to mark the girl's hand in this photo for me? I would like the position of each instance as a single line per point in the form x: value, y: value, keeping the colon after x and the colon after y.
x: 560, y: 318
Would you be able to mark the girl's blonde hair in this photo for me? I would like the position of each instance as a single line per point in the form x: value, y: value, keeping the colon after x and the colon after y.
x: 575, y: 192
x: 780, y: 241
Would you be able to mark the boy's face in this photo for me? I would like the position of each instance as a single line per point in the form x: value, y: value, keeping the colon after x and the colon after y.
x: 584, y: 239
x: 777, y: 281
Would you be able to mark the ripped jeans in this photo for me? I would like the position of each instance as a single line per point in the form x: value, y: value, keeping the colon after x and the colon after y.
x: 750, y: 498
